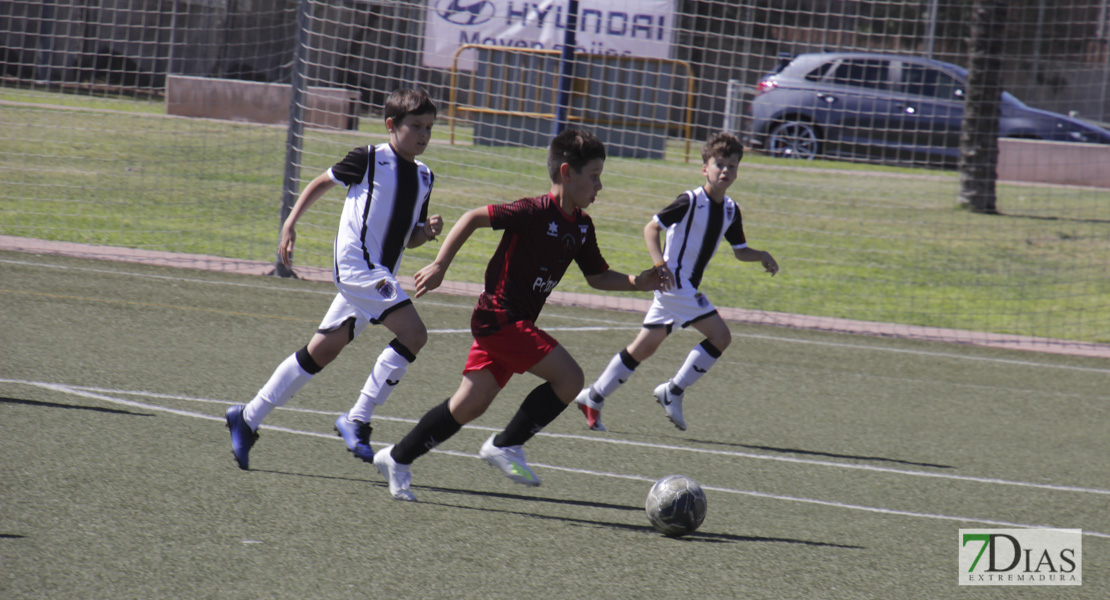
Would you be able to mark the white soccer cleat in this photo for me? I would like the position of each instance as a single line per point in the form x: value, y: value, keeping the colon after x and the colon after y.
x: 671, y: 403
x: 510, y: 460
x: 591, y: 409
x: 396, y: 474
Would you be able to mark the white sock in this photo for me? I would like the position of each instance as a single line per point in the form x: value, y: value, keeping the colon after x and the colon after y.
x: 698, y: 361
x: 620, y: 369
x: 388, y: 371
x: 287, y: 380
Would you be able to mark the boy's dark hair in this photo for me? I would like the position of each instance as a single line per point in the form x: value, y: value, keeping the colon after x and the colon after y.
x: 722, y: 145
x: 408, y: 101
x: 575, y: 147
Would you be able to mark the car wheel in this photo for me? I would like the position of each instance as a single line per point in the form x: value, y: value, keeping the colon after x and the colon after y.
x: 793, y: 139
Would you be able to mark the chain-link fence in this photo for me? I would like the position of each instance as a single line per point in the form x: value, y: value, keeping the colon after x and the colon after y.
x: 95, y: 149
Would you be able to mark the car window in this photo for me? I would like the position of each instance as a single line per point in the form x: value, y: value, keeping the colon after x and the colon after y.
x: 921, y: 80
x: 867, y: 73
x: 819, y: 72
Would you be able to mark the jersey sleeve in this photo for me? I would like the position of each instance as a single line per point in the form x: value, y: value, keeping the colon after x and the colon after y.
x: 427, y: 200
x: 513, y: 215
x: 352, y: 168
x: 589, y: 257
x: 674, y: 212
x: 735, y: 232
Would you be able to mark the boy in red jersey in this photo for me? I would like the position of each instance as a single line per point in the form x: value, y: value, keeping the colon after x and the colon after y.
x: 542, y: 236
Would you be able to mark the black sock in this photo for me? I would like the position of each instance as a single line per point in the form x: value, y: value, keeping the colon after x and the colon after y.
x: 435, y: 427
x: 541, y: 407
x: 626, y: 358
x: 307, y: 363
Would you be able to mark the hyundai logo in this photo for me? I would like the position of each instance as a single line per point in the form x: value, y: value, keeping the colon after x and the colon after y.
x: 464, y: 12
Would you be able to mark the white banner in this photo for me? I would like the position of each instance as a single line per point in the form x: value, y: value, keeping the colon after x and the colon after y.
x: 632, y: 27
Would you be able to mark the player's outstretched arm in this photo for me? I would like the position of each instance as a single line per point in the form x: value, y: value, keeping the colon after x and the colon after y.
x: 431, y: 276
x: 649, y: 280
x: 421, y: 235
x: 652, y: 232
x: 651, y: 237
x: 312, y: 192
x: 760, y: 256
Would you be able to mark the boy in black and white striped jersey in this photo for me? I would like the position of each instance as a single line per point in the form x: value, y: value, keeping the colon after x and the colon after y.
x: 386, y: 211
x: 694, y: 225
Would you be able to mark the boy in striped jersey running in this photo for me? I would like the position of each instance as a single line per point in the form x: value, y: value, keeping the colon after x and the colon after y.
x: 386, y: 211
x: 694, y: 225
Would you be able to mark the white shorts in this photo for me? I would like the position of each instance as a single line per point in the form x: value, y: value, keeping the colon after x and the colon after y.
x: 678, y: 306
x: 368, y: 298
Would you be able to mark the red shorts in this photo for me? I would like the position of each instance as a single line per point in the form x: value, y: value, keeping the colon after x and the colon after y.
x: 514, y: 349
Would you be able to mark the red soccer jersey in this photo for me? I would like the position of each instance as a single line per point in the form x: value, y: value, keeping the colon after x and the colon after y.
x: 539, y: 242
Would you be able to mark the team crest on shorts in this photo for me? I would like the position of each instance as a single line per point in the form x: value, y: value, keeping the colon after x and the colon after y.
x: 701, y: 300
x: 386, y: 290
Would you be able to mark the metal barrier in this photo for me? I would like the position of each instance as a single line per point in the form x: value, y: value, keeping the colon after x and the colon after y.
x: 626, y: 100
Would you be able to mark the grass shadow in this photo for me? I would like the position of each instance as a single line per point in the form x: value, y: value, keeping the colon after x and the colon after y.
x: 315, y: 476
x: 823, y: 454
x: 698, y: 536
x: 1052, y: 218
x: 43, y: 404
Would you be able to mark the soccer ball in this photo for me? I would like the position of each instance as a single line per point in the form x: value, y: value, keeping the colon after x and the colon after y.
x: 675, y: 505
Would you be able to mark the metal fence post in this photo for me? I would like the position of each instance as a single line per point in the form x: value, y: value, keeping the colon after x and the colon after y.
x: 566, y: 69
x: 295, y: 133
x: 44, y: 56
x: 1103, y: 37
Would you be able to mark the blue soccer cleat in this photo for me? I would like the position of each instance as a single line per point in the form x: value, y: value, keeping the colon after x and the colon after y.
x: 357, y: 436
x: 242, y: 436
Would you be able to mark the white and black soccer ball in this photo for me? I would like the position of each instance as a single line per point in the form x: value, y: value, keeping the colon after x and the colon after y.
x: 676, y: 505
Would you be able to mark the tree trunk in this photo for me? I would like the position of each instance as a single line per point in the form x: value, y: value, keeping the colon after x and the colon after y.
x: 982, y: 106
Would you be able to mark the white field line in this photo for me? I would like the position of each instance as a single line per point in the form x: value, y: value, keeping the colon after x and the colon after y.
x: 101, y: 394
x: 556, y: 314
x: 463, y: 304
x: 951, y: 355
x: 96, y: 393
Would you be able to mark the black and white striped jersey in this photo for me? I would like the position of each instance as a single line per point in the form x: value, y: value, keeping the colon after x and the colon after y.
x: 387, y: 197
x: 695, y: 225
